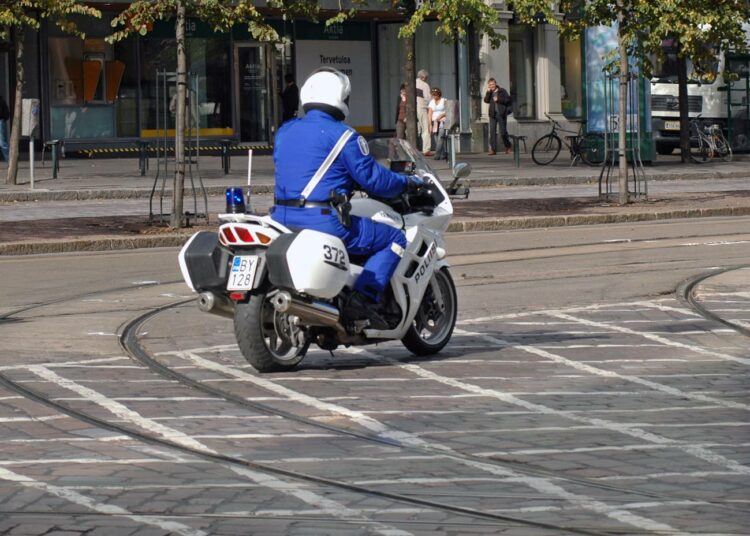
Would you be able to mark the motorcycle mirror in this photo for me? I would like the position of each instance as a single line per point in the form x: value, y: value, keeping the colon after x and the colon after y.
x: 461, y: 170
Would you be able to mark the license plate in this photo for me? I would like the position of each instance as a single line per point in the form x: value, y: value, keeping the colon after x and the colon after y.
x: 671, y: 125
x: 242, y: 274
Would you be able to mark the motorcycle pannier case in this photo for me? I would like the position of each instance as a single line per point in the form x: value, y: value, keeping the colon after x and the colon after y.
x: 204, y: 263
x: 309, y: 262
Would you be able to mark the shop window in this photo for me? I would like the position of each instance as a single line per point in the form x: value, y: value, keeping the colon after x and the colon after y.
x: 571, y: 69
x: 438, y: 58
x: 209, y: 93
x: 522, y: 59
x: 92, y: 84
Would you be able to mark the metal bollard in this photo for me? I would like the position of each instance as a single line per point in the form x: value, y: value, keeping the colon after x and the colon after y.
x: 55, y: 158
x: 142, y: 156
x: 453, y: 140
x: 225, y: 155
x: 516, y: 151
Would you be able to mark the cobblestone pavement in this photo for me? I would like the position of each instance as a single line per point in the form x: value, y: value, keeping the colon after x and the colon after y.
x: 628, y: 417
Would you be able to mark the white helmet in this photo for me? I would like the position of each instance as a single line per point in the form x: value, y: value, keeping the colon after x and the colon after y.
x: 328, y: 90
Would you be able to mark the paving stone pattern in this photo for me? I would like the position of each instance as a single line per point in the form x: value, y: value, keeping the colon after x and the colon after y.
x: 527, y: 415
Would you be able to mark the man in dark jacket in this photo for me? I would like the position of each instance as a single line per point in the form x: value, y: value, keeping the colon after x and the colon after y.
x: 289, y: 99
x: 500, y: 107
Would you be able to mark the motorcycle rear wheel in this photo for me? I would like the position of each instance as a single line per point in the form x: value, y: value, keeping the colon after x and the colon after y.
x: 267, y: 339
x: 433, y: 325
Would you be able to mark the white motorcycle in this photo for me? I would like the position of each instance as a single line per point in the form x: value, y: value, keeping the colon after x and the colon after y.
x: 285, y: 289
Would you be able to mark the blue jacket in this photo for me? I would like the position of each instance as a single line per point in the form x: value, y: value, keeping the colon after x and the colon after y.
x: 300, y: 147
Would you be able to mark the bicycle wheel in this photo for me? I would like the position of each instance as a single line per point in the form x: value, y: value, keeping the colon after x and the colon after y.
x: 699, y: 150
x: 546, y: 149
x: 589, y: 150
x: 723, y: 149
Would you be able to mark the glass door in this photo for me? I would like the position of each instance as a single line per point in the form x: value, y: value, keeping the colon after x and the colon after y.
x: 253, y: 94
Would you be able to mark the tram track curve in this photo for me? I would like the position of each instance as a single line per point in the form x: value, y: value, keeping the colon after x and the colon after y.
x: 383, y: 441
x: 40, y: 398
x: 686, y: 294
x: 132, y: 347
x: 151, y: 439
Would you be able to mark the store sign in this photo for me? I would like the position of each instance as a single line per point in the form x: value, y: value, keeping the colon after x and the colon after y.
x: 346, y: 47
x: 354, y: 59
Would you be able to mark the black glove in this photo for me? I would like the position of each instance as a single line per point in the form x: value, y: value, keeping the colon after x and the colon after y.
x: 415, y: 184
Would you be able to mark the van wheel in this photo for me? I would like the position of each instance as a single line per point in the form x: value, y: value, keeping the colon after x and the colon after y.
x: 433, y: 325
x: 268, y: 340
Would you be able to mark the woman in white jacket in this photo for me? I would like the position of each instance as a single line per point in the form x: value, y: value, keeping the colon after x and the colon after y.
x: 436, y: 111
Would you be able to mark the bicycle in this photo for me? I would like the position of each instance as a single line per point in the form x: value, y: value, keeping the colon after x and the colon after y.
x: 582, y: 146
x: 707, y: 142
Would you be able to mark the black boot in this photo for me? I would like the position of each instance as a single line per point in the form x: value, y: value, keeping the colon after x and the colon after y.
x: 357, y: 306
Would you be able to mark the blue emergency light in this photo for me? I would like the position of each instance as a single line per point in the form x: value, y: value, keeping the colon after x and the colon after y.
x: 235, y: 200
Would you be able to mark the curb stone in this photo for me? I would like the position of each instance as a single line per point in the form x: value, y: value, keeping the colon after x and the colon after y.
x: 112, y: 243
x: 103, y: 194
x: 268, y: 188
x: 536, y: 222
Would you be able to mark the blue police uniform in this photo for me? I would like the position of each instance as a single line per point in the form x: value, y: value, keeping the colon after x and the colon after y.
x: 300, y: 148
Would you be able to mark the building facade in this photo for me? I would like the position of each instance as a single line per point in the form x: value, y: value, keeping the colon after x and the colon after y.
x: 94, y: 94
x: 542, y: 71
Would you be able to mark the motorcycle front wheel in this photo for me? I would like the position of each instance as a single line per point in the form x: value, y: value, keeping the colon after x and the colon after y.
x: 433, y: 325
x: 268, y: 340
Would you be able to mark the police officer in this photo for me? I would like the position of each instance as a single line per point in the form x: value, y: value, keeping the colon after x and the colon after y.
x: 317, y: 156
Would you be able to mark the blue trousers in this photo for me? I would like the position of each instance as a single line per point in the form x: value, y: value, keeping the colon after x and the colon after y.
x: 362, y: 237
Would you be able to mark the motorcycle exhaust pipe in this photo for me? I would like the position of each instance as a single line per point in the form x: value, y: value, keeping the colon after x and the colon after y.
x: 316, y: 313
x: 208, y: 302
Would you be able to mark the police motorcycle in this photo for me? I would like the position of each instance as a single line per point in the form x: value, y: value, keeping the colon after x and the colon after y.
x: 284, y: 289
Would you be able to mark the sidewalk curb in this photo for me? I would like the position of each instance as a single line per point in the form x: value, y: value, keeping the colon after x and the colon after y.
x: 19, y: 196
x: 112, y: 243
x: 104, y: 194
x: 536, y: 222
x: 594, y: 179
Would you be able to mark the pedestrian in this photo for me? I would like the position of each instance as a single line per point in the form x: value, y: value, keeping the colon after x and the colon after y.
x: 500, y: 108
x: 437, y: 116
x: 289, y: 99
x: 423, y: 121
x: 4, y: 117
x: 401, y: 113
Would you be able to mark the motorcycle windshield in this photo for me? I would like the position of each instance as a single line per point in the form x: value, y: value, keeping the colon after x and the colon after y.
x: 399, y: 156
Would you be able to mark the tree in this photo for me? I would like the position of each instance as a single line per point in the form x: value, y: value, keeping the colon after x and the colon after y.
x: 642, y: 25
x: 17, y: 18
x: 221, y: 15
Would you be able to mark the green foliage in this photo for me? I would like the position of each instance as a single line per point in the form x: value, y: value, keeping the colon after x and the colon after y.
x: 19, y: 15
x: 702, y: 27
x: 455, y: 19
x: 221, y: 15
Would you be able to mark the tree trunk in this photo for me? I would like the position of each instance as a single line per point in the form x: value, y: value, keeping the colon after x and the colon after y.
x: 15, y: 132
x: 410, y: 77
x: 622, y: 172
x: 177, y: 217
x: 683, y: 107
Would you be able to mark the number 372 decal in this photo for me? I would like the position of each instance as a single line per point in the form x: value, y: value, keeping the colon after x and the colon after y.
x: 335, y: 257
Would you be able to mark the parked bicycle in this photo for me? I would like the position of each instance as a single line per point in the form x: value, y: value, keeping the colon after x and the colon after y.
x: 708, y: 142
x: 582, y: 146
